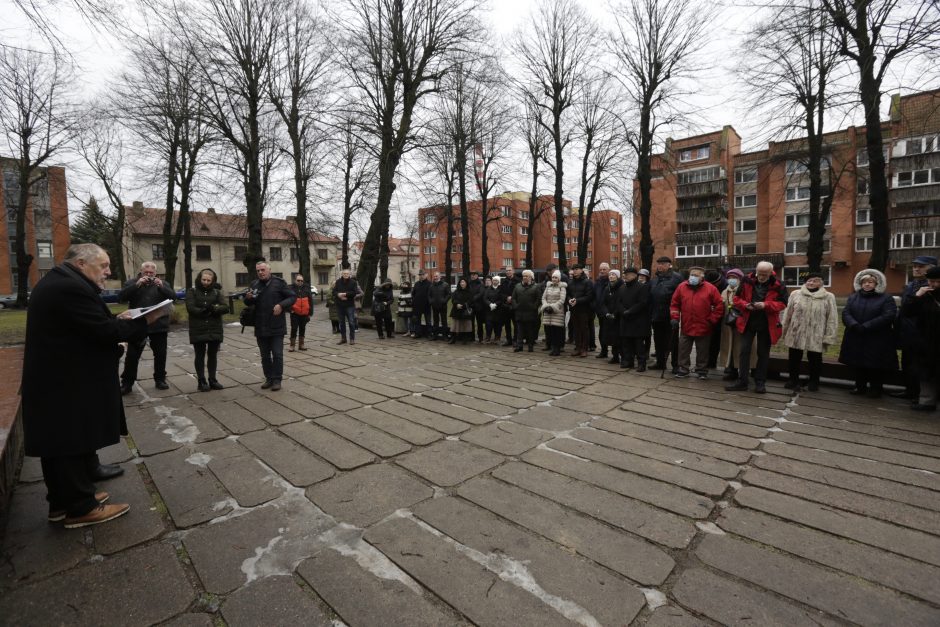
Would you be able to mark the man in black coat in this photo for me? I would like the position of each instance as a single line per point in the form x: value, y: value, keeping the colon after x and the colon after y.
x: 439, y: 295
x: 272, y: 298
x: 479, y: 309
x: 580, y: 297
x: 665, y: 336
x: 909, y: 338
x: 71, y: 396
x: 421, y: 305
x: 505, y: 290
x: 600, y: 310
x: 345, y: 291
x: 146, y: 290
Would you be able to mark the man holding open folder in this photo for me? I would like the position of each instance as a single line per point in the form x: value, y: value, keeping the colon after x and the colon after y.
x: 146, y: 290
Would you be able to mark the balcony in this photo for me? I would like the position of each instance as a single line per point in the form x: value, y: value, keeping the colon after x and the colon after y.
x: 717, y: 187
x: 702, y: 214
x: 744, y: 262
x: 915, y: 224
x: 702, y: 237
x: 919, y: 194
x: 904, y: 256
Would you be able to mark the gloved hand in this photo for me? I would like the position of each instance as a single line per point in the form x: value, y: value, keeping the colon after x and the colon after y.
x: 674, y: 323
x: 609, y: 316
x: 492, y: 306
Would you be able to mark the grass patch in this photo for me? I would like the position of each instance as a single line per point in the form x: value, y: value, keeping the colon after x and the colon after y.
x: 13, y: 321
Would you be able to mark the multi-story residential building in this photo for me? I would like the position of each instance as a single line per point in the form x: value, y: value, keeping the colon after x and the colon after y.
x: 716, y: 206
x: 403, y: 258
x: 47, y: 223
x: 220, y: 242
x: 507, y: 235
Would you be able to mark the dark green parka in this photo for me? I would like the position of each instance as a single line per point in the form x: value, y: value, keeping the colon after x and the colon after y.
x: 205, y: 306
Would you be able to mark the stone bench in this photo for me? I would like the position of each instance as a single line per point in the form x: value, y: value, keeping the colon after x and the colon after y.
x: 11, y: 421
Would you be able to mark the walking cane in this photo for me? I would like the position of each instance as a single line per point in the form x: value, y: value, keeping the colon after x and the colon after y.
x: 662, y: 373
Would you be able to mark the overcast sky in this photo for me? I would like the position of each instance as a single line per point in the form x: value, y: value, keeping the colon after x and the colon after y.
x: 100, y: 56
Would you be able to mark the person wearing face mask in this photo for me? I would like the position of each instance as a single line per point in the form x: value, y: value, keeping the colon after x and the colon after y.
x: 632, y: 306
x: 759, y: 302
x: 810, y: 324
x: 695, y: 310
x: 923, y: 307
x: 730, y: 338
x: 867, y: 344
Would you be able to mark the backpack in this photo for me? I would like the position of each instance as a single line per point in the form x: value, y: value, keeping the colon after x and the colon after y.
x: 247, y: 317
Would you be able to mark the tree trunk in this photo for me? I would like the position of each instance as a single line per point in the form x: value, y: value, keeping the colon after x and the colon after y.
x: 533, y: 214
x: 186, y: 219
x: 484, y: 235
x: 464, y: 215
x: 23, y: 259
x: 369, y: 260
x: 644, y: 176
x: 117, y: 233
x: 582, y: 198
x: 870, y: 92
x: 170, y: 250
x: 559, y: 189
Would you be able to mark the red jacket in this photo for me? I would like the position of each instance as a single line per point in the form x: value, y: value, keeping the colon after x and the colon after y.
x: 698, y: 309
x: 774, y: 303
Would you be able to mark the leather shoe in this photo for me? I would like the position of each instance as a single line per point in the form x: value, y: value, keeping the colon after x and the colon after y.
x: 760, y: 389
x: 100, y: 514
x: 162, y: 385
x: 919, y: 407
x: 126, y: 388
x: 737, y: 387
x: 215, y: 385
x: 275, y: 386
x: 106, y: 471
x: 900, y: 394
x: 57, y: 515
x: 268, y: 383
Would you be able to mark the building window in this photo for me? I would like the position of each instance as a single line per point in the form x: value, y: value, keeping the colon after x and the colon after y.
x: 917, y: 177
x: 802, y: 193
x: 523, y: 246
x: 863, y: 216
x: 554, y: 254
x: 796, y: 275
x: 240, y: 253
x: 613, y: 222
x: 505, y: 228
x: 523, y: 230
x: 323, y: 278
x: 294, y: 253
x: 429, y: 218
x: 796, y: 220
x: 507, y: 262
x: 920, y: 145
x: 926, y: 239
x: 507, y: 245
x: 863, y: 244
x: 456, y: 248
x: 323, y: 254
x: 44, y: 250
x: 798, y: 247
x: 747, y: 200
x: 745, y: 175
x: 615, y: 261
x: 521, y: 263
x: 427, y: 250
x: 506, y: 211
x: 156, y: 252
x: 745, y: 226
x: 432, y: 263
x: 613, y: 235
x: 430, y: 235
x: 699, y: 250
x: 745, y: 249
x: 862, y: 187
x: 203, y: 253
x: 699, y: 175
x: 694, y: 154
x: 524, y: 215
x: 613, y: 248
x: 279, y: 275
x: 241, y: 279
x: 274, y: 253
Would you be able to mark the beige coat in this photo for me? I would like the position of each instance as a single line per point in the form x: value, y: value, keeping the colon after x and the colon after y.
x: 811, y: 321
x: 553, y: 305
x: 729, y: 353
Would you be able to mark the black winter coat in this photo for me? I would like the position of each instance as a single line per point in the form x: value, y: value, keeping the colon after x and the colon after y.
x: 205, y: 308
x: 345, y: 286
x: 601, y: 285
x: 505, y: 290
x: 439, y: 294
x: 868, y: 342
x: 145, y: 296
x: 384, y: 295
x: 465, y: 298
x: 71, y: 394
x: 581, y: 289
x: 908, y: 335
x: 273, y: 292
x: 476, y: 289
x: 924, y: 314
x: 490, y: 297
x: 525, y: 302
x: 632, y: 305
x: 661, y: 290
x: 420, y: 295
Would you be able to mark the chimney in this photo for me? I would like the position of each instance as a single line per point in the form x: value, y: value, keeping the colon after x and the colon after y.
x: 211, y: 211
x: 137, y: 208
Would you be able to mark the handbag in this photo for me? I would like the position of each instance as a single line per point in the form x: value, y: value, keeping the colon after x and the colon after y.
x: 731, y: 318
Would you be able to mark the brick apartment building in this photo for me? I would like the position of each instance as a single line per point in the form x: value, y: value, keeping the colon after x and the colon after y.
x: 220, y: 242
x: 716, y: 206
x: 47, y: 223
x: 507, y: 236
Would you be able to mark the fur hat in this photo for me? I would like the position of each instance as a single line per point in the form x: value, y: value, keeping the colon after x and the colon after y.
x: 881, y: 283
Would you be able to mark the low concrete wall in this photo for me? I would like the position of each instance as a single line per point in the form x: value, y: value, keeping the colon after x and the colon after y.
x: 11, y: 421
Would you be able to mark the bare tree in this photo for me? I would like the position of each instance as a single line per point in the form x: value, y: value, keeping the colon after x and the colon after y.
x: 875, y: 34
x: 791, y: 76
x: 438, y: 153
x: 603, y: 145
x: 537, y: 142
x: 355, y: 166
x: 235, y: 42
x: 655, y: 43
x: 38, y: 118
x: 298, y: 86
x: 396, y: 54
x: 101, y: 147
x: 555, y: 53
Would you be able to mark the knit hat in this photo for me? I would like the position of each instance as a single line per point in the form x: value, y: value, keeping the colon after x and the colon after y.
x: 734, y: 272
x: 933, y: 273
x: 644, y: 272
x: 664, y: 259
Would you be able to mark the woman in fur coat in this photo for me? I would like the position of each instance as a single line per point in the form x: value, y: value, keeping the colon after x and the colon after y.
x: 810, y: 324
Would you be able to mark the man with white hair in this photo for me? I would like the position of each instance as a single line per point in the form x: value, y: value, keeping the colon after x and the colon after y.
x: 760, y: 301
x: 272, y: 299
x: 146, y: 290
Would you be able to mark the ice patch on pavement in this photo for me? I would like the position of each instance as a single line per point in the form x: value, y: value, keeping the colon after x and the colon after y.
x: 654, y: 598
x: 250, y: 565
x: 181, y: 429
x: 199, y: 459
x: 347, y: 541
x: 734, y: 485
x: 710, y: 527
x: 516, y: 572
x: 544, y: 447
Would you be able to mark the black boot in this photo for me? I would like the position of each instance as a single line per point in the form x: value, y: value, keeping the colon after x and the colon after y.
x: 641, y: 366
x: 203, y: 385
x: 453, y: 339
